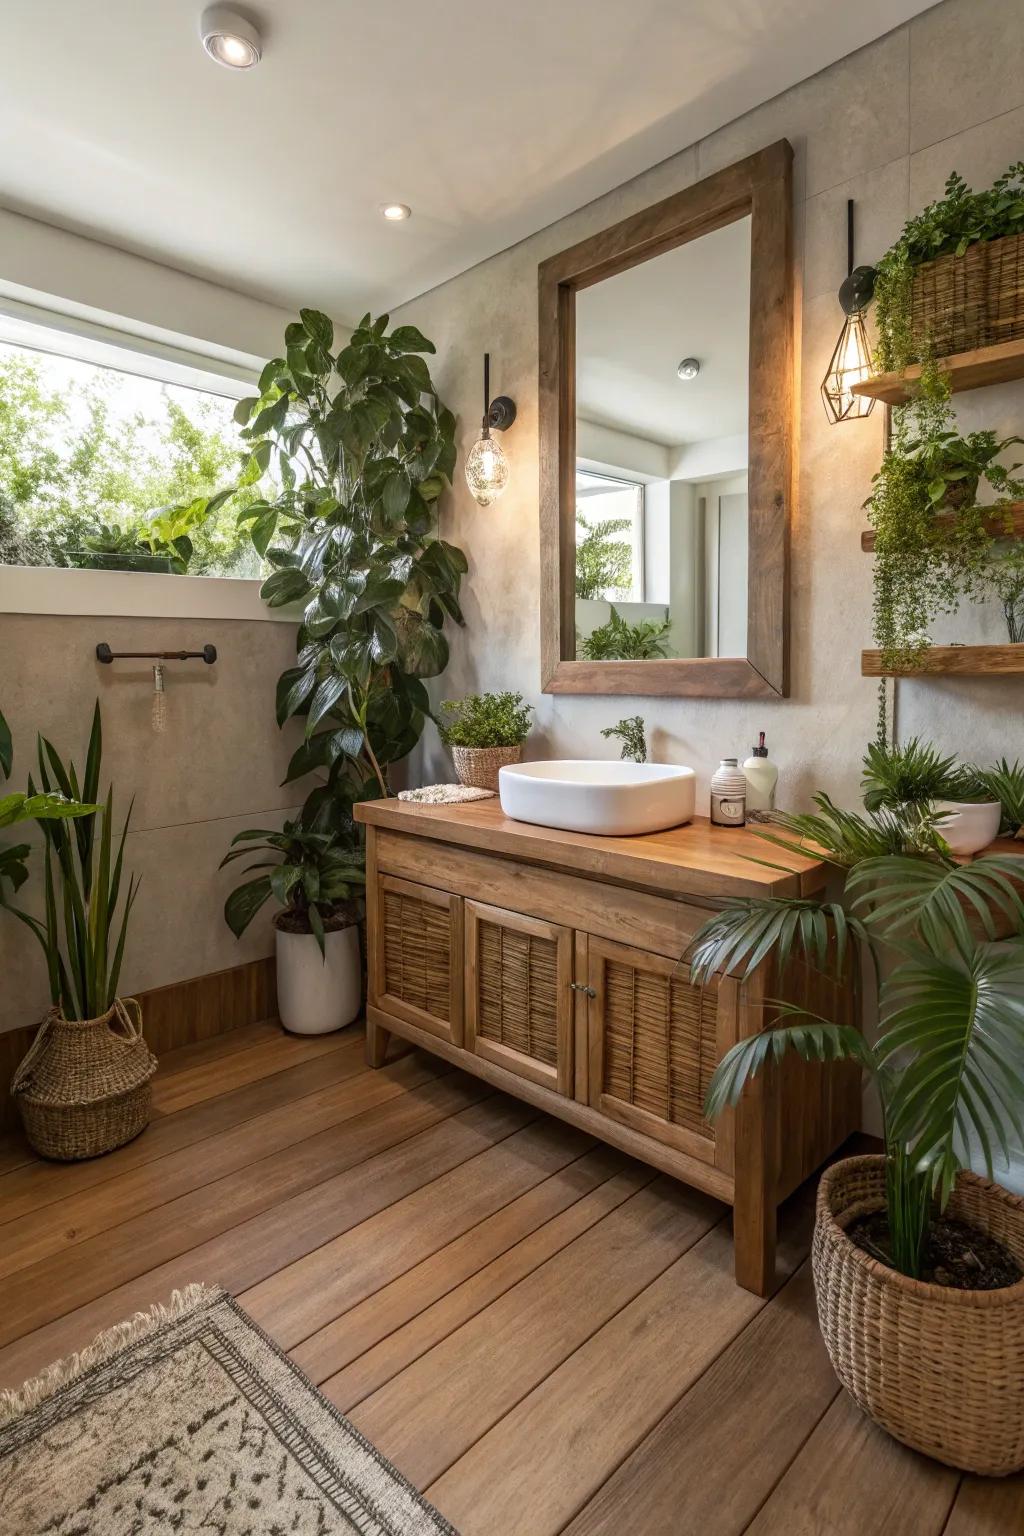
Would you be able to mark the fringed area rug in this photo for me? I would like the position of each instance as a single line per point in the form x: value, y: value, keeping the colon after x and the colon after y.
x: 188, y: 1419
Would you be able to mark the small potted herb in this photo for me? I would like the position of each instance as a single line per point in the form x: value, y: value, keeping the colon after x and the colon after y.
x: 485, y: 732
x: 630, y: 732
x: 314, y: 876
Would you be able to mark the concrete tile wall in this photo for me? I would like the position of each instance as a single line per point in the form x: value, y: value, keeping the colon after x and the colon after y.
x: 216, y: 770
x: 883, y: 126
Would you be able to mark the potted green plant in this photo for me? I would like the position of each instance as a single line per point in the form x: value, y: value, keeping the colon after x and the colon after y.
x: 967, y: 811
x: 917, y: 1261
x: 484, y: 732
x: 314, y: 876
x: 1005, y: 782
x: 1003, y: 579
x: 362, y: 447
x: 932, y: 540
x: 619, y: 640
x: 84, y: 1086
x: 938, y: 288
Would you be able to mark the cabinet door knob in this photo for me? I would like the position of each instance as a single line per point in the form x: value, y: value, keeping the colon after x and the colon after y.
x: 578, y: 986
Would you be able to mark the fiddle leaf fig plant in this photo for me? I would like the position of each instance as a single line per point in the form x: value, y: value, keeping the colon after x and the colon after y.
x: 362, y: 447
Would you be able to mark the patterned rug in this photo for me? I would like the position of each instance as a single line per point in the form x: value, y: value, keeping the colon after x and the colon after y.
x: 188, y: 1419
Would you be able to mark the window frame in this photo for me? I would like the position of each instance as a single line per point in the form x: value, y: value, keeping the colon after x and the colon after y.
x: 58, y: 590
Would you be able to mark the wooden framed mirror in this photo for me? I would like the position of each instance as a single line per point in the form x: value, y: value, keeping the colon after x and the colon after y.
x: 666, y: 401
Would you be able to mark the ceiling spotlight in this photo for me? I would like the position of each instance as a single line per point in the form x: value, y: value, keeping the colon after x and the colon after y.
x: 230, y: 38
x: 395, y: 212
x: 688, y: 368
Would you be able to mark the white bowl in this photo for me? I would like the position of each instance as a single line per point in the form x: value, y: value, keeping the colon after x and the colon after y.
x: 612, y: 799
x: 968, y: 826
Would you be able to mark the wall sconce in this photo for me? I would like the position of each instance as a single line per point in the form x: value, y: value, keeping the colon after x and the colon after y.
x: 851, y: 360
x: 487, y: 466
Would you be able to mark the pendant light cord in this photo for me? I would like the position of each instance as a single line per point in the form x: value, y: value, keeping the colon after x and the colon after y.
x: 487, y: 388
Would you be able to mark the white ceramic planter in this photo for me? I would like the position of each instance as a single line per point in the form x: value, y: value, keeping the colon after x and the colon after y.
x: 968, y: 827
x: 314, y: 995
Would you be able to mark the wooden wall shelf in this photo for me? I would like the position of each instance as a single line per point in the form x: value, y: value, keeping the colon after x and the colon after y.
x: 995, y: 525
x: 953, y: 661
x: 967, y: 370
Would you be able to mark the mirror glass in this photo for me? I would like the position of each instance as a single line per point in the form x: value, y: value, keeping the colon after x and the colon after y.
x: 661, y: 454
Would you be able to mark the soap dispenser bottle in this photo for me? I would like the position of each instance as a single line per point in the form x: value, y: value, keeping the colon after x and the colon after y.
x: 762, y: 777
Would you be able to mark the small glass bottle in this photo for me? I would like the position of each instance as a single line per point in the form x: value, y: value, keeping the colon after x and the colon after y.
x: 728, y: 795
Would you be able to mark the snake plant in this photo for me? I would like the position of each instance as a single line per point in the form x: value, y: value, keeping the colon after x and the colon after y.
x: 86, y: 909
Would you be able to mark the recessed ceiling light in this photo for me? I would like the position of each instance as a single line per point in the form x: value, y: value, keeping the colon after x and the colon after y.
x: 688, y: 368
x: 230, y: 38
x: 395, y: 212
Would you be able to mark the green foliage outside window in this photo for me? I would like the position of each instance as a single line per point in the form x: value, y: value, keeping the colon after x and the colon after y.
x: 604, y: 563
x: 81, y: 483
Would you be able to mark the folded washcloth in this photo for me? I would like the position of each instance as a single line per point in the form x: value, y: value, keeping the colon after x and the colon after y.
x: 445, y: 794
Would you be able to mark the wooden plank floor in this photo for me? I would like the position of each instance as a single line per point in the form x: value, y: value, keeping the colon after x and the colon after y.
x: 541, y: 1333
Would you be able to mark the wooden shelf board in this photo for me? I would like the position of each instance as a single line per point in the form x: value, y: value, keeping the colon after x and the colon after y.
x: 953, y: 661
x: 994, y: 525
x: 967, y: 370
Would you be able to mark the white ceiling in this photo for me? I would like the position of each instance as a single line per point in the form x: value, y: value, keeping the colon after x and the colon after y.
x: 489, y: 121
x: 633, y: 330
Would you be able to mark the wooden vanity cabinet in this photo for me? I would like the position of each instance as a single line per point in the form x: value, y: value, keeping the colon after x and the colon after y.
x: 549, y: 964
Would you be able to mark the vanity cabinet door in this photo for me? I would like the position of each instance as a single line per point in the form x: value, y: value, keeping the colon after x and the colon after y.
x: 416, y: 956
x: 654, y: 1040
x: 519, y: 996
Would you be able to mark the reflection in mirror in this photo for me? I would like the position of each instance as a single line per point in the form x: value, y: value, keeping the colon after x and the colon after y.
x: 661, y: 454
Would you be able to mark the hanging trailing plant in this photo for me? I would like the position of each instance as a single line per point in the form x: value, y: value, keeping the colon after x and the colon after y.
x: 363, y: 448
x: 932, y: 542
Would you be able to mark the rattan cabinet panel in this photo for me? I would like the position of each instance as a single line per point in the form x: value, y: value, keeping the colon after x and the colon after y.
x: 519, y: 998
x: 654, y: 1041
x: 416, y: 970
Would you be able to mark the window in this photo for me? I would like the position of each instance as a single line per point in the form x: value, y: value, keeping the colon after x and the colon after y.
x: 609, y: 538
x: 107, y: 455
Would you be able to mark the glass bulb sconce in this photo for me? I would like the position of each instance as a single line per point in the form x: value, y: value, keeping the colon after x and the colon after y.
x: 487, y: 469
x: 851, y: 361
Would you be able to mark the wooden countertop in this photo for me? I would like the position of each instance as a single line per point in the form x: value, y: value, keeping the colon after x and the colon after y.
x: 694, y: 860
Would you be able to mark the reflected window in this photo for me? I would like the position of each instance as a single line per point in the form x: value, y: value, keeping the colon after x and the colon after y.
x: 609, y: 538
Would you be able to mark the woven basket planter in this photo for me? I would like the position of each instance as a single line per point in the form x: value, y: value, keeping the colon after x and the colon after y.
x: 959, y: 303
x: 478, y: 766
x: 940, y: 1369
x: 84, y: 1086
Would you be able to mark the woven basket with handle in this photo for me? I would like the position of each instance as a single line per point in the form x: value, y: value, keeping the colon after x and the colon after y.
x: 940, y: 1369
x: 479, y: 766
x: 84, y: 1085
x: 959, y: 303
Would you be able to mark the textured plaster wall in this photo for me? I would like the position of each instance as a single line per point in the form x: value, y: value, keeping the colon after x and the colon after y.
x: 217, y: 769
x: 884, y: 126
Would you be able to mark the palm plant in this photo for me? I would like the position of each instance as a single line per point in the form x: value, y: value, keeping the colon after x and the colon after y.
x: 1005, y: 783
x: 82, y: 931
x: 913, y: 774
x: 17, y: 808
x: 946, y: 943
x: 312, y: 875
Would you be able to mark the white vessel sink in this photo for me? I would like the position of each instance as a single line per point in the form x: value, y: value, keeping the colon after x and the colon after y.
x: 608, y: 798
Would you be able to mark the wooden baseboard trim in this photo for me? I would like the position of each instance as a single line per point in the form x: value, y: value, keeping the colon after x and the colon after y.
x: 178, y: 1014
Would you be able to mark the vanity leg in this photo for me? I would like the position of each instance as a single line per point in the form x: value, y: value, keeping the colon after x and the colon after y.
x: 377, y: 1041
x: 754, y: 1208
x: 753, y: 1228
